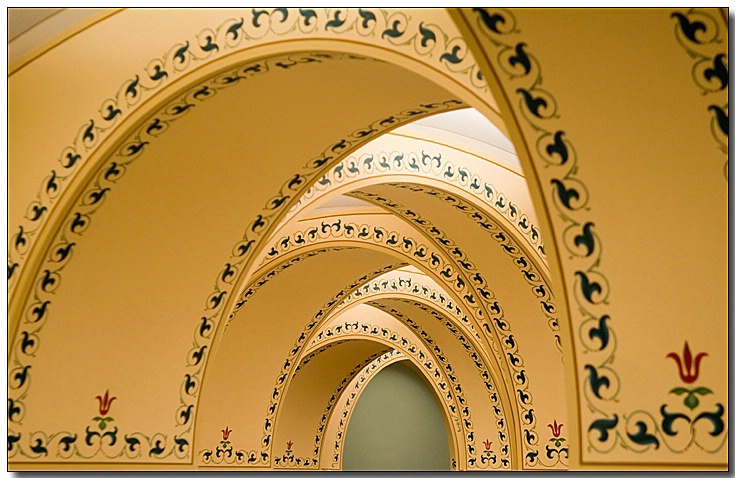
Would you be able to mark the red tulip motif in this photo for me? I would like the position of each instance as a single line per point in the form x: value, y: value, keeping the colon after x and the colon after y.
x: 556, y: 429
x: 105, y: 402
x: 688, y: 368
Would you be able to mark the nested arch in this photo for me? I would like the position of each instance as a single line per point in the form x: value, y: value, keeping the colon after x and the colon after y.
x: 328, y: 233
x: 91, y: 174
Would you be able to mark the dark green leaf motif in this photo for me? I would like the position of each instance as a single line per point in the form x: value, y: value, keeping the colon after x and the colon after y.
x: 642, y: 437
x: 158, y: 73
x: 336, y: 22
x: 26, y: 343
x: 689, y: 29
x: 132, y: 443
x: 12, y: 440
x: 452, y: 57
x: 723, y: 121
x: 308, y: 15
x: 71, y: 160
x: 111, y: 113
x: 718, y: 71
x: 521, y: 58
x: 669, y: 418
x: 533, y: 104
x: 68, y: 441
x: 718, y: 426
x: 394, y: 31
x: 283, y: 12
x: 157, y: 449
x: 558, y: 147
x: 37, y: 212
x: 588, y: 287
x: 601, y: 332
x: 367, y: 17
x: 490, y: 21
x: 603, y: 426
x: 39, y: 448
x: 234, y: 29
x: 132, y: 89
x: 596, y: 381
x: 586, y: 239
x: 209, y: 44
x: 256, y: 16
x: 13, y: 410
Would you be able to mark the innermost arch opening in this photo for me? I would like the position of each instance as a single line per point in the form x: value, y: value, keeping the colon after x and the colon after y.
x: 396, y: 425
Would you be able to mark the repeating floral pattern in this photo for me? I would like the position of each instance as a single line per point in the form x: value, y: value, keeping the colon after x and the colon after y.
x: 539, y: 286
x: 446, y: 384
x: 699, y: 34
x: 571, y: 200
x: 262, y: 456
x: 392, y: 29
x: 429, y: 165
x: 414, y: 291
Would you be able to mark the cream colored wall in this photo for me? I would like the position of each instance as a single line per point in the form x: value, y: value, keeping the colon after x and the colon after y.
x: 632, y: 128
x: 133, y: 298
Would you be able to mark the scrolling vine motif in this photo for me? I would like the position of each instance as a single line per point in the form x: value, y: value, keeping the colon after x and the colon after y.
x: 262, y: 456
x: 415, y: 287
x: 698, y: 33
x: 539, y: 287
x: 365, y: 372
x: 395, y: 29
x: 570, y: 199
x: 452, y: 395
x: 427, y: 165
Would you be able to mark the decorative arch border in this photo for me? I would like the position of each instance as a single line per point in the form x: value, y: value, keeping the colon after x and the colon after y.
x: 329, y: 232
x: 514, y: 61
x: 708, y: 67
x: 428, y: 165
x: 456, y: 410
x: 398, y: 32
x: 365, y: 375
x: 540, y: 288
x: 265, y: 275
x: 396, y: 242
x: 410, y: 290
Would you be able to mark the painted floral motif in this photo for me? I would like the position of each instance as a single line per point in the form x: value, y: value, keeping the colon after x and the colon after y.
x: 699, y: 34
x: 105, y: 402
x: 689, y: 373
x: 557, y: 439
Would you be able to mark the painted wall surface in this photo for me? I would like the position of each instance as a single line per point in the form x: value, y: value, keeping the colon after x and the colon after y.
x: 179, y: 290
x: 396, y: 425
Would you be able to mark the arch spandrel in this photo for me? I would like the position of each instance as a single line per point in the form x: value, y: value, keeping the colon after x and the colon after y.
x: 622, y: 247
